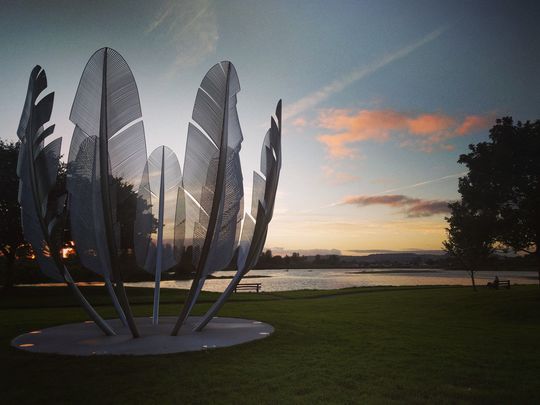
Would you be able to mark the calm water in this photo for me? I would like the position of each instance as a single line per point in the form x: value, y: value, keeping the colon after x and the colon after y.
x: 329, y: 279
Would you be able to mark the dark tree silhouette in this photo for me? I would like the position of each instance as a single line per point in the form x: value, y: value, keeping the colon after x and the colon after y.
x: 503, y: 183
x: 10, y: 212
x: 471, y: 236
x: 126, y: 203
x: 11, y: 236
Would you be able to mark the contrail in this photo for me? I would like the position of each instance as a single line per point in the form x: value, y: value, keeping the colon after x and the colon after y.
x: 157, y: 21
x: 311, y: 100
x: 422, y: 183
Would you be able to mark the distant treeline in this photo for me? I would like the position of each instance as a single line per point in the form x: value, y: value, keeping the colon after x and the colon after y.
x: 27, y: 271
x: 390, y: 260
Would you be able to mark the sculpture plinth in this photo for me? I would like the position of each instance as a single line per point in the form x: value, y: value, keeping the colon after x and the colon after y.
x: 84, y: 339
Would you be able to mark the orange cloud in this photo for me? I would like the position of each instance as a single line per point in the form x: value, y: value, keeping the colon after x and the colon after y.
x: 412, y: 207
x: 337, y: 145
x: 428, y: 131
x: 473, y: 123
x: 300, y: 122
x: 428, y: 124
x: 366, y: 125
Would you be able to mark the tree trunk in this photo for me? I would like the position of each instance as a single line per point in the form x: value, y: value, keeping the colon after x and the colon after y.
x: 537, y: 255
x: 472, y: 279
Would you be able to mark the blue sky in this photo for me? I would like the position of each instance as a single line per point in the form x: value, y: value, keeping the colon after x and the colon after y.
x: 380, y: 97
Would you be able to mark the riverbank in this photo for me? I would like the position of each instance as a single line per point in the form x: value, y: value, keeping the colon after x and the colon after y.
x: 410, y: 344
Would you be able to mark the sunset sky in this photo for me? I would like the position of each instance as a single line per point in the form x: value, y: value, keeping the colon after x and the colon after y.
x: 379, y: 97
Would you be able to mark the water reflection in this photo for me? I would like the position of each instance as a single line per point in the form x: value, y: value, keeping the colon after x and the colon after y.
x: 329, y: 279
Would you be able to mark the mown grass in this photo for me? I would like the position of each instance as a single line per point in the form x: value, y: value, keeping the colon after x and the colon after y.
x: 365, y: 345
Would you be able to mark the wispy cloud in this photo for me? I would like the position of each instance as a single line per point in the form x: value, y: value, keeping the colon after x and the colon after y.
x: 300, y: 122
x: 425, y: 131
x: 410, y: 206
x: 161, y: 16
x: 313, y: 99
x: 395, y: 200
x: 336, y: 177
x: 473, y: 123
x: 189, y: 26
x: 426, y: 208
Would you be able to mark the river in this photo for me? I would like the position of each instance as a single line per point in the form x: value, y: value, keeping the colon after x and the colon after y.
x: 329, y: 279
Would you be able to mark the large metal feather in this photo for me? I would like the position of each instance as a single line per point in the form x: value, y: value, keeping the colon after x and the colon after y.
x: 255, y: 226
x: 106, y: 159
x: 213, y: 178
x: 264, y: 195
x: 37, y: 170
x: 43, y: 213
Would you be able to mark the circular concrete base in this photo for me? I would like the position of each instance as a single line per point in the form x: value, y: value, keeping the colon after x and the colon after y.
x: 86, y: 339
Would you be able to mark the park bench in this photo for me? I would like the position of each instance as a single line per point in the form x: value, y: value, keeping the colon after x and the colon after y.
x: 248, y: 286
x: 502, y: 283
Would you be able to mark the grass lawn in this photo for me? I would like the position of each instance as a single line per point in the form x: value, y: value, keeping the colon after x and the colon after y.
x: 365, y: 345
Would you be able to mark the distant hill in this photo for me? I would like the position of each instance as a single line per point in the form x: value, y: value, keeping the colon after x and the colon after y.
x: 381, y: 257
x: 366, y: 252
x: 394, y: 257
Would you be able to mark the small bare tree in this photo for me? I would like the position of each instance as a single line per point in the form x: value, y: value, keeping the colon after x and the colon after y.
x: 470, y: 236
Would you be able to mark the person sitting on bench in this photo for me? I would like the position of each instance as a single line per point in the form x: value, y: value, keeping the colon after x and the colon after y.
x: 494, y: 283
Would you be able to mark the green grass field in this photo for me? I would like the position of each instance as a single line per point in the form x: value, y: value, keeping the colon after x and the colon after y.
x: 365, y: 345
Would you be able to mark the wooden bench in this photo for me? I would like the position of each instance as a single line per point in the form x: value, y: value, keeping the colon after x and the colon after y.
x: 248, y: 286
x: 502, y: 283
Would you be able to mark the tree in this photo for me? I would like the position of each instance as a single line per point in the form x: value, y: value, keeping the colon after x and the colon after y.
x: 10, y: 212
x: 333, y: 260
x: 504, y: 181
x: 471, y: 235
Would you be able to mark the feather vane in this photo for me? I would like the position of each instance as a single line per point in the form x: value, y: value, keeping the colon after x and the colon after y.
x: 37, y: 169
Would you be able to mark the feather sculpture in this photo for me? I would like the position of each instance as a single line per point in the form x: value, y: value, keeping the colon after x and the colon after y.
x: 159, y: 248
x: 42, y: 212
x: 107, y: 158
x: 255, y: 226
x: 213, y: 178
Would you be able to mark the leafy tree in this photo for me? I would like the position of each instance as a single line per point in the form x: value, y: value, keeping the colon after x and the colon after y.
x: 333, y: 260
x: 10, y: 218
x: 471, y: 235
x: 267, y: 255
x: 125, y: 206
x: 11, y: 236
x: 265, y: 260
x: 504, y: 181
